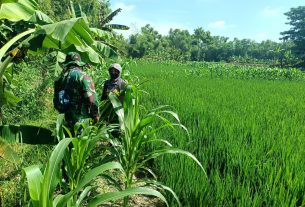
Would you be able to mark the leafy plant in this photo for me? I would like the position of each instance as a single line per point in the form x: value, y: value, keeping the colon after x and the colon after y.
x: 139, y: 132
x: 7, y: 152
x: 42, y: 186
x: 44, y: 34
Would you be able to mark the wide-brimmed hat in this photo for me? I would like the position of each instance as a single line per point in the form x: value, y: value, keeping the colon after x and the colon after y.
x: 73, y: 58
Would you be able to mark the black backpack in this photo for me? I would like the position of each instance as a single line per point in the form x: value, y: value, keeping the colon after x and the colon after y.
x: 61, y: 98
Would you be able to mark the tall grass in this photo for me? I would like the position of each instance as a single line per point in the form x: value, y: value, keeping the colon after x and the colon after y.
x: 249, y: 135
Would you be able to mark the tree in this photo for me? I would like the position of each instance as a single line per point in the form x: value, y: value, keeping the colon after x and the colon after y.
x: 42, y: 34
x: 200, y: 41
x: 181, y: 41
x: 296, y: 33
x: 144, y: 43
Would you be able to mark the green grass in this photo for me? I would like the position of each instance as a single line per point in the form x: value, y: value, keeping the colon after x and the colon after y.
x: 36, y: 108
x: 12, y: 187
x: 249, y: 135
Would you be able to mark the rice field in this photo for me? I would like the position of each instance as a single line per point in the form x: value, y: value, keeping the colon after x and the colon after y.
x: 249, y: 134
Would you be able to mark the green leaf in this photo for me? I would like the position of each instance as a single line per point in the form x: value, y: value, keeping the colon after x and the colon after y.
x: 87, y: 178
x: 10, y: 98
x: 63, y: 30
x: 70, y: 35
x: 83, y: 196
x: 40, y: 18
x: 34, y: 178
x: 105, y: 35
x: 160, y: 185
x: 157, y: 153
x: 17, y: 10
x: 117, y: 105
x: 116, y: 26
x: 106, y: 50
x: 110, y: 17
x: 77, y: 10
x: 9, y: 132
x: 7, y: 46
x: 98, y: 200
x: 51, y: 173
x: 72, y: 9
x: 7, y: 152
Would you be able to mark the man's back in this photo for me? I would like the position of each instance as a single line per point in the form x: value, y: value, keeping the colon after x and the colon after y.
x: 82, y: 96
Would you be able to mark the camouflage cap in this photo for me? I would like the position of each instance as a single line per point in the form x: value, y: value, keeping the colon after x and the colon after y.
x: 73, y: 58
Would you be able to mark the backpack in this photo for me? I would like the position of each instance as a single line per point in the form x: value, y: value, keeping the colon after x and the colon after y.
x: 61, y: 98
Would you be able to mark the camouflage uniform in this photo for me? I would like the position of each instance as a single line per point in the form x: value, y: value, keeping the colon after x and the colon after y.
x: 83, y: 98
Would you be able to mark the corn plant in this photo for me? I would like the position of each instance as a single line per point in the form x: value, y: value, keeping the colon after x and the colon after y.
x: 42, y: 186
x: 138, y: 132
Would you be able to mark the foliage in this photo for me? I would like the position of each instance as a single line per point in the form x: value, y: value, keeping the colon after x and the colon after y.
x: 45, y: 35
x: 249, y: 134
x: 42, y: 186
x: 229, y: 70
x: 296, y: 33
x: 138, y: 132
x: 181, y: 45
x: 7, y: 152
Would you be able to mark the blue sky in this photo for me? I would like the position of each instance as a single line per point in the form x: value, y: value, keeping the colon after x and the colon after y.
x: 253, y: 19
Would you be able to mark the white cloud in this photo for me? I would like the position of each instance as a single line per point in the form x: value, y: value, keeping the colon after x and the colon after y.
x: 221, y: 24
x: 124, y: 7
x: 217, y: 24
x: 271, y: 12
x: 262, y: 35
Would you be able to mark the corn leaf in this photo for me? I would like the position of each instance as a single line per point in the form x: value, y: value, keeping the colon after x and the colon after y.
x: 34, y: 178
x: 87, y: 178
x: 98, y: 200
x: 157, y: 153
x: 51, y: 173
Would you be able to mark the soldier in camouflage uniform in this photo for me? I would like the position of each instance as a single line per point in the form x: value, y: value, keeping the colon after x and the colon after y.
x: 83, y: 101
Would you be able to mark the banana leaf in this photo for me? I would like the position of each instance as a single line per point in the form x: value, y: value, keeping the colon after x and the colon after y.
x: 16, y: 10
x: 27, y: 134
x: 7, y: 152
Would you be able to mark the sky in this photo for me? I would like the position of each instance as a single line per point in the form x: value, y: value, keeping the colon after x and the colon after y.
x: 251, y: 19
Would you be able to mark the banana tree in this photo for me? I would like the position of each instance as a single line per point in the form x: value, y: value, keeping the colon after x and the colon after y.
x: 44, y: 35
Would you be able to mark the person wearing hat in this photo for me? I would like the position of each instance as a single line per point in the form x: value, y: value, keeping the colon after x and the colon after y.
x: 74, y: 92
x: 115, y: 84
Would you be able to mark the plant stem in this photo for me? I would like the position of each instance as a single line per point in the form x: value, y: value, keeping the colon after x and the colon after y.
x: 3, y: 66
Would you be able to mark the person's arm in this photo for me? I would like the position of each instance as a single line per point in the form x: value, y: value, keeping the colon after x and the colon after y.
x: 90, y: 98
x: 57, y: 87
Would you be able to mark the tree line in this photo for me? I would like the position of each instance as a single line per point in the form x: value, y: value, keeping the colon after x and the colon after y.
x: 183, y: 45
x: 201, y: 45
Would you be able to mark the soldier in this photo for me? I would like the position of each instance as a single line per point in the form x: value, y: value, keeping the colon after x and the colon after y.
x: 115, y: 84
x: 74, y: 92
